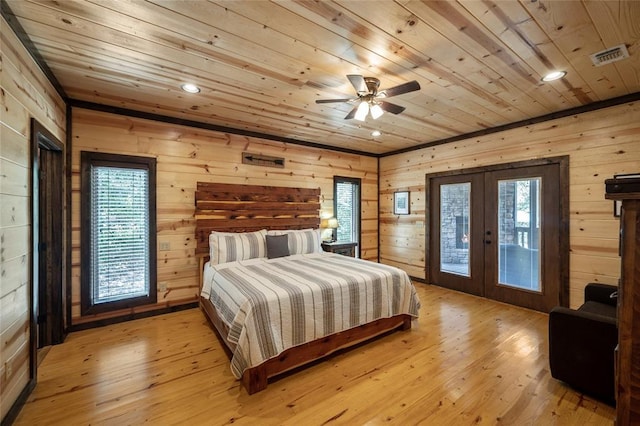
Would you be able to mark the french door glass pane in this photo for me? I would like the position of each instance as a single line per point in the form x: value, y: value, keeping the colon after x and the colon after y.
x: 455, y: 228
x: 519, y: 233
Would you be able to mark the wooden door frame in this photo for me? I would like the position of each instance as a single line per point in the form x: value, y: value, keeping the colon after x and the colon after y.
x: 44, y: 142
x: 563, y: 163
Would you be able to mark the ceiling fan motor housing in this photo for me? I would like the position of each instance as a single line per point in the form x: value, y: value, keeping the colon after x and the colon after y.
x: 372, y: 85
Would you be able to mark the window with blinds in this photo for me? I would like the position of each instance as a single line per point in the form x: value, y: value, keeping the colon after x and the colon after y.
x: 346, y: 207
x: 118, y: 232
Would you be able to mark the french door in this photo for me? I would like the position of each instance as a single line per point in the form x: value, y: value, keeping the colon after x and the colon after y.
x: 498, y: 234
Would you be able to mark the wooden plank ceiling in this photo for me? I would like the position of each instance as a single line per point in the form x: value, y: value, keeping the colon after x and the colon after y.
x: 261, y: 65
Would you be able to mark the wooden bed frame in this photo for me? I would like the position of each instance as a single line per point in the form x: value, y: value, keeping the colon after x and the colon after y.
x: 246, y: 208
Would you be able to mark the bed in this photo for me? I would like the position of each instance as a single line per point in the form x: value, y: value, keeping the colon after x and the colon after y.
x: 274, y: 297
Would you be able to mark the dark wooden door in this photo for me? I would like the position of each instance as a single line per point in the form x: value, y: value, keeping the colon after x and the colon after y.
x: 497, y: 234
x: 522, y: 237
x: 48, y: 214
x: 50, y: 287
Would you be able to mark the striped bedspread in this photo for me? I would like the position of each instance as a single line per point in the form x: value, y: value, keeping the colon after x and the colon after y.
x: 271, y: 305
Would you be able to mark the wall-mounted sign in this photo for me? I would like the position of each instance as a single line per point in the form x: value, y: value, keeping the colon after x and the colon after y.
x: 262, y: 160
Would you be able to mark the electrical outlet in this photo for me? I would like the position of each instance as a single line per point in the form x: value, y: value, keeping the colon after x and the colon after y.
x: 165, y: 246
x: 162, y: 286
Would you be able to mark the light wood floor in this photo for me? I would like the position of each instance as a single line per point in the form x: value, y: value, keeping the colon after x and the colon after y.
x: 467, y: 361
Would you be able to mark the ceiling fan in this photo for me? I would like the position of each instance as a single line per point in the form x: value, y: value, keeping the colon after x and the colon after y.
x: 370, y: 99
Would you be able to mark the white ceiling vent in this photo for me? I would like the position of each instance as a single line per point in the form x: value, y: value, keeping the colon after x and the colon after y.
x: 613, y: 54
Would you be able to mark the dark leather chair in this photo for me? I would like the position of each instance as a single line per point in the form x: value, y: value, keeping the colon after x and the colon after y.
x: 582, y: 343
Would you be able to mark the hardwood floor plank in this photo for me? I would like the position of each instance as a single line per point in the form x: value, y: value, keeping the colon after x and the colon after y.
x: 467, y: 360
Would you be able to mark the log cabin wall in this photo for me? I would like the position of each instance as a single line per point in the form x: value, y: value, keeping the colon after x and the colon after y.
x: 599, y: 143
x: 187, y: 155
x: 25, y: 92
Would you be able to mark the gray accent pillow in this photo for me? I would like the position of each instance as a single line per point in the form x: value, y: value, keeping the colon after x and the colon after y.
x: 277, y: 246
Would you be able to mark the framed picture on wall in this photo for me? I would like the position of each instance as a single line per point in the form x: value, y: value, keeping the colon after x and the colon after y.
x: 401, y: 202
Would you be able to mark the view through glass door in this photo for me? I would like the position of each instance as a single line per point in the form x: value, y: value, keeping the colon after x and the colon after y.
x: 496, y: 234
x: 519, y: 233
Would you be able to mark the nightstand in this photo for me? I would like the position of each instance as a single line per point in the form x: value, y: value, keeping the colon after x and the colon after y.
x: 343, y: 248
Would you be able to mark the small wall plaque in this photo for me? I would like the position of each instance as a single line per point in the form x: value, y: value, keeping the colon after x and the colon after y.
x: 262, y: 160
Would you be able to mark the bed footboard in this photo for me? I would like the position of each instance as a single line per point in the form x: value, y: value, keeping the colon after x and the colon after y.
x: 255, y: 379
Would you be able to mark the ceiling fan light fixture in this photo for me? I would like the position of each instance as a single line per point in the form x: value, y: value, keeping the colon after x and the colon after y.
x: 376, y: 111
x: 367, y: 93
x: 190, y: 88
x: 554, y: 75
x: 363, y: 110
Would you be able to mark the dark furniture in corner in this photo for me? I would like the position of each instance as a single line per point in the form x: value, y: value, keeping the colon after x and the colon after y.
x: 345, y: 249
x: 626, y: 189
x: 582, y: 343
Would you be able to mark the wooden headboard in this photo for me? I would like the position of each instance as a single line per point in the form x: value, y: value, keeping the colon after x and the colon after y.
x: 245, y: 208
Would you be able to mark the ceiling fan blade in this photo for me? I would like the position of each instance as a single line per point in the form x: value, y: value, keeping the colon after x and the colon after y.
x: 358, y: 83
x: 329, y: 101
x: 400, y: 89
x: 392, y: 108
x: 352, y: 113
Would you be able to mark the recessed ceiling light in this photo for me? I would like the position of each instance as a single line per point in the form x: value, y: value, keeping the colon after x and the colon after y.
x: 376, y: 133
x: 190, y: 88
x: 555, y: 75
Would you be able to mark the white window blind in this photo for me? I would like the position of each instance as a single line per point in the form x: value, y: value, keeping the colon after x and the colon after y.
x: 119, y: 233
x: 347, y: 208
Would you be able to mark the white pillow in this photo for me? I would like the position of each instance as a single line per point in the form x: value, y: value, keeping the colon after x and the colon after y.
x: 301, y: 241
x: 234, y: 246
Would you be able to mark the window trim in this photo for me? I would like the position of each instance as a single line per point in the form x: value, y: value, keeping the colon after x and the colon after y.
x: 89, y: 159
x: 358, y: 182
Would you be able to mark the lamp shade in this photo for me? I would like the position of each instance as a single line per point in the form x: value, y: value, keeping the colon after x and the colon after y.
x: 329, y: 223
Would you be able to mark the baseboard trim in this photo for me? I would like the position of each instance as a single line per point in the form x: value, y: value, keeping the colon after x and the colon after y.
x: 13, y: 412
x: 130, y: 317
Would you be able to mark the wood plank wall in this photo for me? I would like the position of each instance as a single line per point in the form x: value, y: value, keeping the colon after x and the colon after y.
x: 186, y: 156
x: 599, y: 143
x: 24, y: 93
